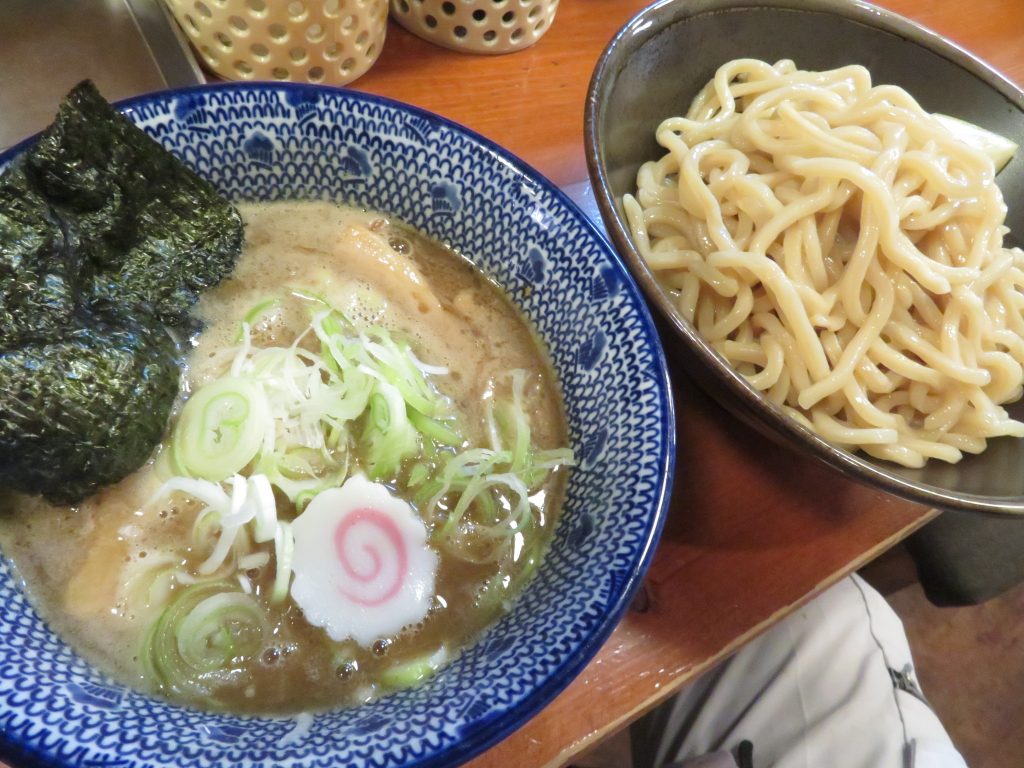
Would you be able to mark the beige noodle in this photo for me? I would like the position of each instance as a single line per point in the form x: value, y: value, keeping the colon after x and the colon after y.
x: 844, y: 252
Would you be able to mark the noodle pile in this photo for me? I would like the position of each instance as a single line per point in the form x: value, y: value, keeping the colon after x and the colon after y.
x: 844, y: 252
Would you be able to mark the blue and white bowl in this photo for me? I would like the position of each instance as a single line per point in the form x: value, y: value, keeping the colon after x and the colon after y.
x: 273, y: 141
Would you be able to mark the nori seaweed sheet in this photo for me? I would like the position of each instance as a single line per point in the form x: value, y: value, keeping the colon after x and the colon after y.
x: 38, y: 271
x: 86, y: 410
x: 106, y: 240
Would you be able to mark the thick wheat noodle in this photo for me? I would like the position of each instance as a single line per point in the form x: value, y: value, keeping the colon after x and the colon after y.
x: 844, y: 252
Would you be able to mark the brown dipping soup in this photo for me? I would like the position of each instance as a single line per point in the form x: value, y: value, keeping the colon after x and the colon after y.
x: 104, y: 573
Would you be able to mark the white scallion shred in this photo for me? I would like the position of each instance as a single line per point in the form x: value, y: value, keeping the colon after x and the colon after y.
x: 265, y: 524
x: 205, y: 491
x: 284, y: 548
x: 220, y: 551
x: 244, y: 582
x: 253, y: 560
x: 303, y: 724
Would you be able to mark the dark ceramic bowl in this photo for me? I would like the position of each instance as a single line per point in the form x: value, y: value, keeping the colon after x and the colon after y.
x: 653, y: 68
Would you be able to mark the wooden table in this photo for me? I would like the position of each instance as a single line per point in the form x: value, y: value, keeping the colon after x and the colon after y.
x: 754, y: 530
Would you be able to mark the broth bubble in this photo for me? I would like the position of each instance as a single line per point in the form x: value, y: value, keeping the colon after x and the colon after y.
x: 346, y: 670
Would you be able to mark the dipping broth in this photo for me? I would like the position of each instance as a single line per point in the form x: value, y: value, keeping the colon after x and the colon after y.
x: 133, y: 577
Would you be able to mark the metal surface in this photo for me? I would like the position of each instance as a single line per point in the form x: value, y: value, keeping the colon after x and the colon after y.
x: 631, y: 93
x: 126, y: 47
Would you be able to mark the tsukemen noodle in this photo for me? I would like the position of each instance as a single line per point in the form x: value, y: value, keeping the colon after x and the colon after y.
x: 842, y: 249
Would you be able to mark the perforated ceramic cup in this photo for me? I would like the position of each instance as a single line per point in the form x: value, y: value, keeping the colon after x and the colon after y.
x: 477, y: 26
x: 313, y: 41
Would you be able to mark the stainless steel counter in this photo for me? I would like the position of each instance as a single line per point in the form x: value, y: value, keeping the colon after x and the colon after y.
x: 126, y: 47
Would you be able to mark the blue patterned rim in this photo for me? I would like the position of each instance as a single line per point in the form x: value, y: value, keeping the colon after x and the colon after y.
x: 268, y: 141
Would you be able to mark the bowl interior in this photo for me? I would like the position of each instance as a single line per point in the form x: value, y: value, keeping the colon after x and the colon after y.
x: 655, y: 67
x: 268, y: 142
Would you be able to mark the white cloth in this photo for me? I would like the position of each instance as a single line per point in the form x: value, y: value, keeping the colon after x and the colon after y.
x: 815, y: 691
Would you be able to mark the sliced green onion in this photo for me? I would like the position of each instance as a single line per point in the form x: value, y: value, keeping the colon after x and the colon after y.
x: 418, y: 474
x: 221, y: 429
x: 257, y: 312
x: 388, y: 437
x: 197, y: 641
x: 303, y: 498
x: 999, y: 148
x: 435, y: 430
x: 413, y: 672
x: 308, y: 295
x: 295, y: 474
x: 493, y: 594
x: 218, y: 629
x: 398, y: 367
x: 486, y: 492
x: 147, y: 584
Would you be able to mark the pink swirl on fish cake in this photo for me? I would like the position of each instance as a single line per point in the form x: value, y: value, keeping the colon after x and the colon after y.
x: 389, y: 543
